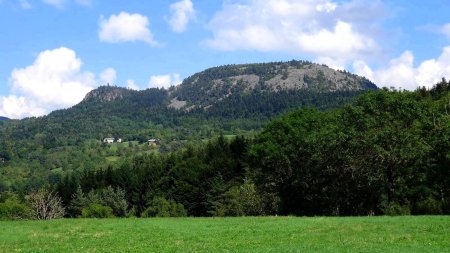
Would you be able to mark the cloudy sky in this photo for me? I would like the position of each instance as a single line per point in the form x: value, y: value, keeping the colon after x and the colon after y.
x: 52, y: 52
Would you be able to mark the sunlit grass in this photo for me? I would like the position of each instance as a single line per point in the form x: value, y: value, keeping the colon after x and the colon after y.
x: 248, y: 234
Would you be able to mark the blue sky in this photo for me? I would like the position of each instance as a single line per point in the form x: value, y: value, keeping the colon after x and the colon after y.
x: 52, y: 52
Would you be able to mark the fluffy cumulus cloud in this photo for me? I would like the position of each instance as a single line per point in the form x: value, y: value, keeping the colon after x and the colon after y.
x: 181, y: 13
x: 108, y: 76
x: 125, y: 27
x: 321, y: 28
x: 401, y: 72
x: 54, y: 80
x: 342, y: 41
x: 164, y: 81
x: 17, y: 107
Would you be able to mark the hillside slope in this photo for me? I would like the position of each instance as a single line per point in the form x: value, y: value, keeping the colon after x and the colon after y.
x: 204, y: 89
x: 222, y: 99
x: 233, y: 100
x: 229, y: 99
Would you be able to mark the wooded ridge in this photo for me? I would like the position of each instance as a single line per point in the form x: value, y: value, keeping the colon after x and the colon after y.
x: 357, y: 153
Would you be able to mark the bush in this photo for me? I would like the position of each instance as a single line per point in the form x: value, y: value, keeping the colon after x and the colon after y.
x: 108, y: 196
x: 14, y: 209
x: 429, y: 206
x: 395, y: 209
x: 242, y: 200
x: 46, y: 204
x: 160, y: 207
x: 97, y: 211
x: 114, y: 198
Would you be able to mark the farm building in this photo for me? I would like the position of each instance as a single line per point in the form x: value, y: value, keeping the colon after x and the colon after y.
x: 153, y: 142
x: 108, y: 140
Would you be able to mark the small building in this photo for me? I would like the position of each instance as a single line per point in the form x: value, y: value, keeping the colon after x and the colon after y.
x: 108, y: 140
x: 153, y: 142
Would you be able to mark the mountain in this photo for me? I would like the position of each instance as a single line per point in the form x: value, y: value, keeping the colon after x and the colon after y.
x: 213, y: 85
x: 3, y: 118
x: 232, y: 100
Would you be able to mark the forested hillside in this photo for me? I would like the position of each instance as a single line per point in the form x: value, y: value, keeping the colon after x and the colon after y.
x: 387, y: 153
x: 218, y: 100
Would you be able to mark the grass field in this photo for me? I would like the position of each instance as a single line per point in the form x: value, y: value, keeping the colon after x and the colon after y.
x: 248, y: 234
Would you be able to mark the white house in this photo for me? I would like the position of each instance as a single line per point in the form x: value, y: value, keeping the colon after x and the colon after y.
x: 153, y: 142
x: 108, y: 140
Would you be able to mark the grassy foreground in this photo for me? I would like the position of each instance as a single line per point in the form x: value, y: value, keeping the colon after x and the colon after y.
x: 247, y: 234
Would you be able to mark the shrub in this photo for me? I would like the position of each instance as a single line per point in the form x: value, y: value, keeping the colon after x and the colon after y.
x: 429, y: 206
x: 97, y: 211
x: 160, y: 207
x: 395, y: 209
x: 242, y: 200
x: 108, y: 196
x: 46, y: 204
x: 14, y: 209
x: 114, y: 198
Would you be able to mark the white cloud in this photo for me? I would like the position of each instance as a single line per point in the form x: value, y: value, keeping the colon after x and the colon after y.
x: 332, y: 63
x: 132, y: 85
x: 399, y: 74
x: 55, y: 3
x: 182, y: 12
x: 326, y: 7
x: 342, y: 41
x: 321, y: 28
x: 402, y: 74
x: 54, y: 80
x: 164, y: 81
x: 18, y: 107
x: 362, y: 69
x: 108, y: 76
x: 125, y: 27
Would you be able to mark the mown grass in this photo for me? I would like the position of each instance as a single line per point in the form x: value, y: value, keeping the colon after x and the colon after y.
x: 247, y: 234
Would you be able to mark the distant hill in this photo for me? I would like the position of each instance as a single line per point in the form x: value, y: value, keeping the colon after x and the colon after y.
x: 3, y: 118
x: 209, y: 87
x: 227, y: 99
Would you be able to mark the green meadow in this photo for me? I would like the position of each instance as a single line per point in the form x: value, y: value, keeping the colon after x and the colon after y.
x: 246, y: 234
